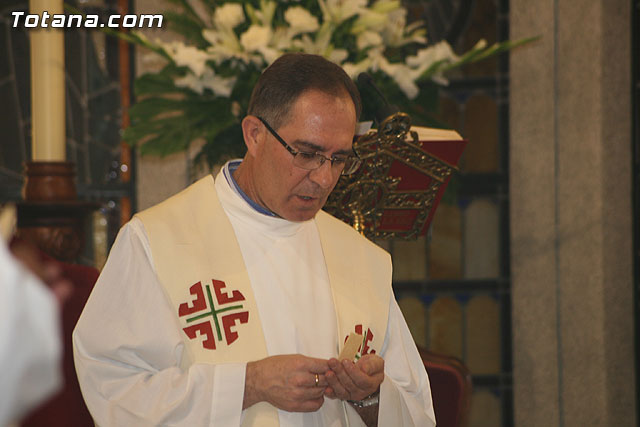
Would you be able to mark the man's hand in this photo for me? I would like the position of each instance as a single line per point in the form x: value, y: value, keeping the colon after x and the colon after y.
x: 287, y: 382
x: 354, y: 381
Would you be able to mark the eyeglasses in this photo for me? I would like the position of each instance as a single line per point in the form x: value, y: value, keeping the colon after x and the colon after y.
x: 310, y: 161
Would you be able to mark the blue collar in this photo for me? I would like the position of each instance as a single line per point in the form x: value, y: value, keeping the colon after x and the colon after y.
x: 228, y: 171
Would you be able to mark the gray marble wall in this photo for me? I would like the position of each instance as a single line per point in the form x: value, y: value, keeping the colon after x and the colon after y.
x: 571, y: 230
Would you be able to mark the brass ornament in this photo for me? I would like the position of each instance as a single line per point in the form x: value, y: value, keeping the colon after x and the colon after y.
x: 374, y: 200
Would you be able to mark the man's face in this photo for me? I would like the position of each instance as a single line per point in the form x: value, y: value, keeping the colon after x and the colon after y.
x: 317, y: 123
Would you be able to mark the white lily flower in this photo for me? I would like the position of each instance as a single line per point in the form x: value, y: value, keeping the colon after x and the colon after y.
x: 424, y: 58
x: 258, y: 39
x: 375, y: 55
x: 224, y: 44
x: 186, y: 56
x: 481, y: 44
x: 190, y: 81
x: 220, y: 86
x: 388, y: 19
x: 255, y: 38
x: 403, y: 75
x: 281, y: 38
x: 369, y: 19
x: 440, y: 79
x: 368, y: 39
x: 319, y: 46
x: 353, y: 70
x: 239, y: 58
x: 337, y: 56
x: 338, y: 11
x: 386, y: 6
x: 229, y: 15
x: 394, y: 29
x: 304, y: 44
x: 300, y: 20
x: 266, y: 12
x: 269, y: 54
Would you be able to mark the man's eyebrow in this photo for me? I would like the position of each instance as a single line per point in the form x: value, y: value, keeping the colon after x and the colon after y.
x: 315, y: 148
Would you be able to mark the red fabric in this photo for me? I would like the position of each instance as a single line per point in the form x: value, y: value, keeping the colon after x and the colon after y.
x: 414, y: 180
x: 449, y: 151
x: 450, y: 388
x: 67, y: 407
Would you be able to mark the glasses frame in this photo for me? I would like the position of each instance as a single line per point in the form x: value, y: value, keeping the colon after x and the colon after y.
x: 323, y: 158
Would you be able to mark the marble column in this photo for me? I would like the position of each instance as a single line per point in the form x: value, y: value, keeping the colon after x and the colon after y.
x: 571, y: 214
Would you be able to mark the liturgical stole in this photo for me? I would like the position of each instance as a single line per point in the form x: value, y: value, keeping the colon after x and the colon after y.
x: 200, y: 266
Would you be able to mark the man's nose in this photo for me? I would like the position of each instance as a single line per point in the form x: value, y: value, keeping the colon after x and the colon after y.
x: 323, y: 175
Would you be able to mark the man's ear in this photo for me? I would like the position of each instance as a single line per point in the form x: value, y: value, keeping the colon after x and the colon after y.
x: 253, y: 133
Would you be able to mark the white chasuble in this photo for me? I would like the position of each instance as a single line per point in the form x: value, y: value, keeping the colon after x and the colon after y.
x: 245, y: 286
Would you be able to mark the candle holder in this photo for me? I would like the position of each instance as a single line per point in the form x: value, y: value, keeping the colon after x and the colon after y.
x: 51, y: 216
x: 49, y: 181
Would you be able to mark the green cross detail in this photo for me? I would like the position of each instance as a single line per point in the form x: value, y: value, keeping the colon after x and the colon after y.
x: 213, y: 313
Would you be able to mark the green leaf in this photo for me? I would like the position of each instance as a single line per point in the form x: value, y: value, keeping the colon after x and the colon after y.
x: 158, y: 83
x: 225, y: 145
x: 498, y: 48
x: 190, y: 29
x: 164, y: 144
x: 161, y: 137
x: 433, y: 69
x: 476, y: 55
x: 211, y: 4
x: 190, y: 11
x: 149, y: 108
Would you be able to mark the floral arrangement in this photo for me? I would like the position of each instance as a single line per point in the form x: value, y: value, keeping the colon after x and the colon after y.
x: 203, y: 90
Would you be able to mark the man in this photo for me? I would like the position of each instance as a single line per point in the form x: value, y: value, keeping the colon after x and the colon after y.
x: 228, y: 303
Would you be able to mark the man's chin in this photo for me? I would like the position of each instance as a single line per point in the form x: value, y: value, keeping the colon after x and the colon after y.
x: 301, y: 216
x: 302, y: 209
x: 301, y: 213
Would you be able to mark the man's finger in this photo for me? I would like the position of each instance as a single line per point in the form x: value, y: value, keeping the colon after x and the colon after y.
x: 314, y: 365
x: 318, y: 380
x: 359, y: 379
x: 338, y: 389
x: 371, y: 364
x: 330, y: 393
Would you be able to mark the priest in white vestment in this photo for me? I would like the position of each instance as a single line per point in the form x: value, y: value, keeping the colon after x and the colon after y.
x: 229, y: 303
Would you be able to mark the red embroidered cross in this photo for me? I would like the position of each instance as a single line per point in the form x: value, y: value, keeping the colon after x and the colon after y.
x: 366, y: 339
x: 225, y: 303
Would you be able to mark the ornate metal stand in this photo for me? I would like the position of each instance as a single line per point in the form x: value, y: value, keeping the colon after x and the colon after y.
x: 395, y: 190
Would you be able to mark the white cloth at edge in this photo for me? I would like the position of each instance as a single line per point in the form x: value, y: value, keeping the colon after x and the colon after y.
x: 129, y: 372
x: 30, y: 339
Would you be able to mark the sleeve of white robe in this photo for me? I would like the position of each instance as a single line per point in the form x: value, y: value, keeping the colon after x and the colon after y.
x: 405, y: 393
x: 128, y: 351
x: 30, y: 339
